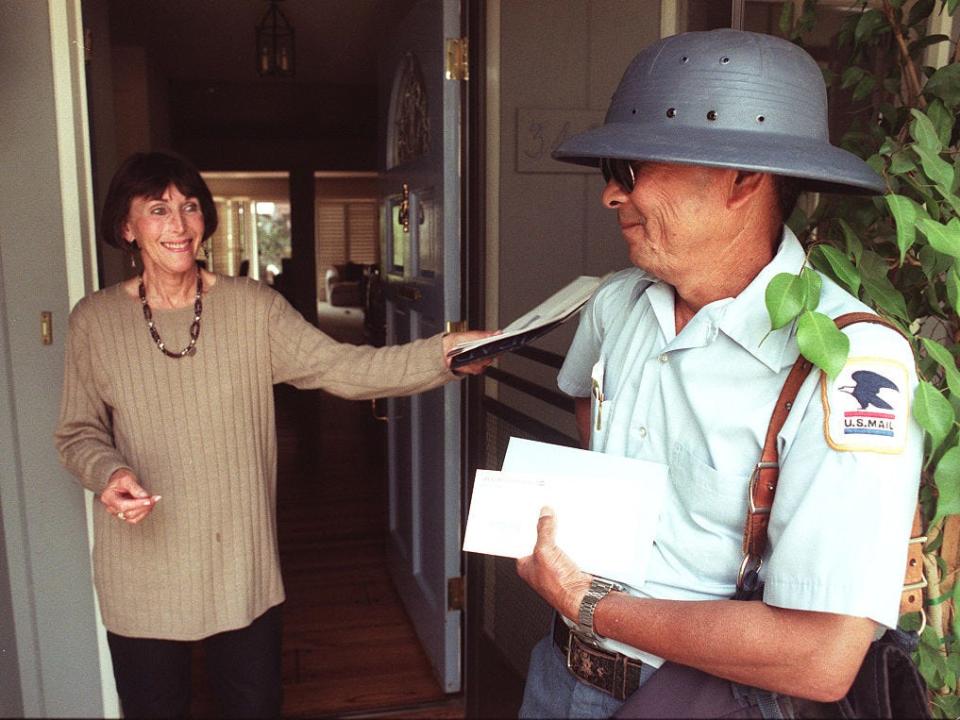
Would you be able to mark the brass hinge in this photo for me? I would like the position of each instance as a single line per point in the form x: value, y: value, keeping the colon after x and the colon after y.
x: 455, y: 593
x: 457, y: 66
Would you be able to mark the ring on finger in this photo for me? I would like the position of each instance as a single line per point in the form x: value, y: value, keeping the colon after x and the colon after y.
x: 122, y: 515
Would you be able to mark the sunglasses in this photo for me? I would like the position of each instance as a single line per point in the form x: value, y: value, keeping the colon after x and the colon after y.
x: 620, y: 171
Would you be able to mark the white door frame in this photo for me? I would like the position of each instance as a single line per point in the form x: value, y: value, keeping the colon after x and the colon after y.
x: 79, y: 225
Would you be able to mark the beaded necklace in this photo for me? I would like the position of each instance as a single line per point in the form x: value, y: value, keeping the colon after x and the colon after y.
x: 194, y: 328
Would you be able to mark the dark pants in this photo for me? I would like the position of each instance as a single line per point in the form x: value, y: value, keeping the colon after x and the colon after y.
x: 153, y: 676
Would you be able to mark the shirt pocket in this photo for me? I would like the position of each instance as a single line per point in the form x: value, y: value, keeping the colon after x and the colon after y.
x: 703, y: 523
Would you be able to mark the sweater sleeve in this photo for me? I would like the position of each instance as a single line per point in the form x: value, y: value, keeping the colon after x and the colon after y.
x: 84, y: 435
x: 305, y: 357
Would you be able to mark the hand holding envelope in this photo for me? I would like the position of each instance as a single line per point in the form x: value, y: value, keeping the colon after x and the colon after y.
x: 606, y: 507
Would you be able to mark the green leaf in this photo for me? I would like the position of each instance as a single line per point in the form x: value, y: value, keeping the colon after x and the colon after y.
x: 945, y: 84
x: 952, y: 5
x: 934, y: 263
x: 942, y: 120
x: 949, y: 705
x: 943, y: 238
x: 812, y: 284
x: 919, y: 12
x: 901, y: 163
x: 864, y: 87
x: 785, y: 297
x: 946, y: 360
x: 851, y: 76
x: 923, y: 131
x: 905, y: 213
x: 947, y: 478
x: 854, y: 246
x: 870, y: 22
x: 934, y: 412
x: 842, y: 267
x: 936, y: 168
x: 822, y: 343
x: 952, y: 281
x: 873, y: 274
x: 786, y: 19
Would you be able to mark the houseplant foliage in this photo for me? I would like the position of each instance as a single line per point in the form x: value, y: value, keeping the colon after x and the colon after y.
x: 899, y: 253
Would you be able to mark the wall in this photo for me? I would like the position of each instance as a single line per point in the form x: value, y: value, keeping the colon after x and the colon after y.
x: 44, y: 543
x: 559, y: 63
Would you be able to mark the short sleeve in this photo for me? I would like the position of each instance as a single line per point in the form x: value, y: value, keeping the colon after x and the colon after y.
x: 843, y: 512
x: 574, y: 376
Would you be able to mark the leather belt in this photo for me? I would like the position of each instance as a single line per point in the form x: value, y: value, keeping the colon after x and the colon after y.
x: 609, y: 671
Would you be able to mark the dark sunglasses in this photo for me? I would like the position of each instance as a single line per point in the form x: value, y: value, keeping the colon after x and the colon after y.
x: 620, y: 171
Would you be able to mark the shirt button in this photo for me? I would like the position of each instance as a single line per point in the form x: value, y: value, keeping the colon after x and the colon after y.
x: 664, y: 359
x: 642, y: 432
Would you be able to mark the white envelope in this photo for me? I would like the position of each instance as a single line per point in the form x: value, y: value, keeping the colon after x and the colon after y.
x: 607, y: 507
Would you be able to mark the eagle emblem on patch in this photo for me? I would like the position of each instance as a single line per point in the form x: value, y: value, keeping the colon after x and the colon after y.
x: 867, y: 406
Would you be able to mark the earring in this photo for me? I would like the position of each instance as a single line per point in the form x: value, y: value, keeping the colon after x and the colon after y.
x: 204, y: 252
x: 132, y: 249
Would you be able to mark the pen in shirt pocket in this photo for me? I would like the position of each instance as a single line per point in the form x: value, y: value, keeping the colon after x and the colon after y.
x: 596, y: 377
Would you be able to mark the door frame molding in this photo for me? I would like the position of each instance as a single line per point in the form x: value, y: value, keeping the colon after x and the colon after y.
x: 68, y: 49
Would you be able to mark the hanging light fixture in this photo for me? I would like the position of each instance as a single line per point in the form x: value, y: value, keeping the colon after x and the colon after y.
x: 275, y: 50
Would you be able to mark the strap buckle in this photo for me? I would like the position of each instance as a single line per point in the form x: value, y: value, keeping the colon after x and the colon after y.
x: 749, y: 568
x: 754, y: 479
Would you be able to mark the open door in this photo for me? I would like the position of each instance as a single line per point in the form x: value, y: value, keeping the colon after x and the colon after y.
x: 421, y: 272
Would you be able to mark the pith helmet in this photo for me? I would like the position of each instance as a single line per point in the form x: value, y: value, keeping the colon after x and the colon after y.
x: 725, y: 98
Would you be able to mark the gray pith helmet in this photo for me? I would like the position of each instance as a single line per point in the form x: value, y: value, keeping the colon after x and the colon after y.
x: 725, y: 98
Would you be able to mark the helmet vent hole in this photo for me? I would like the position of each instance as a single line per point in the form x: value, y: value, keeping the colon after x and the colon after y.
x: 760, y: 118
x: 712, y: 115
x: 684, y: 59
x: 671, y: 112
x: 633, y: 112
x: 724, y: 60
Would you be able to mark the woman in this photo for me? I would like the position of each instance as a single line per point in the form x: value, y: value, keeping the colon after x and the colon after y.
x: 168, y: 417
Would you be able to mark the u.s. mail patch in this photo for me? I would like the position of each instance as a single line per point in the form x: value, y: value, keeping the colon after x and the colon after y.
x: 867, y: 406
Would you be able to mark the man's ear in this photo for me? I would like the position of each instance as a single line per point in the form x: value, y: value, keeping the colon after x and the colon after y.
x: 745, y: 186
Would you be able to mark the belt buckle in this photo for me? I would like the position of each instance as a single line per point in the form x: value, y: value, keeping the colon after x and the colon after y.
x: 587, y: 646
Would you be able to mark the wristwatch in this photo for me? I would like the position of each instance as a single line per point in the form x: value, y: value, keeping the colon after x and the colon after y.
x: 598, y: 590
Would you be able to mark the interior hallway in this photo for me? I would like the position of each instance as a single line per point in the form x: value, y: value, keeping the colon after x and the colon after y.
x: 349, y: 649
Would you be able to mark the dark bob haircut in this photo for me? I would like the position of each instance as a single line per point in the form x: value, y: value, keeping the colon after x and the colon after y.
x: 149, y: 175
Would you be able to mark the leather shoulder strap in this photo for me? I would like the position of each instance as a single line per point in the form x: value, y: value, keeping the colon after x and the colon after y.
x: 763, y: 481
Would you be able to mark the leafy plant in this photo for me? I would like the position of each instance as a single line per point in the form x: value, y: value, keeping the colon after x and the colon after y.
x: 899, y: 253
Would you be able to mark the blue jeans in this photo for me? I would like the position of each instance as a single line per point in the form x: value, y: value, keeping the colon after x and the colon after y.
x: 553, y: 692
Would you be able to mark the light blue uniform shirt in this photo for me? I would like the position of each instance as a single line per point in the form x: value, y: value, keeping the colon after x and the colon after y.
x: 700, y: 402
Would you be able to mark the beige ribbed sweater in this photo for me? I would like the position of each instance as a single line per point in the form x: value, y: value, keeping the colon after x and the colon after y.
x: 200, y: 431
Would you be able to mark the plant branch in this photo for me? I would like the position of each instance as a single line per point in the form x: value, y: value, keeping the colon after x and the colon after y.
x: 935, y: 612
x: 908, y: 68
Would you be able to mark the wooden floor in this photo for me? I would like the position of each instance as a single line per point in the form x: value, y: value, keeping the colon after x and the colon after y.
x: 349, y: 649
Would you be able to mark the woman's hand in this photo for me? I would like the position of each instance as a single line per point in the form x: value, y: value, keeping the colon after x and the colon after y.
x: 450, y: 340
x: 551, y: 572
x: 126, y: 499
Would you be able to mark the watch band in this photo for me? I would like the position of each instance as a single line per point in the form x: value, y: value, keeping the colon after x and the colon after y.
x: 599, y: 589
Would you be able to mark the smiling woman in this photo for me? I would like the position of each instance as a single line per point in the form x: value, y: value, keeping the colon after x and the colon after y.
x: 195, y: 428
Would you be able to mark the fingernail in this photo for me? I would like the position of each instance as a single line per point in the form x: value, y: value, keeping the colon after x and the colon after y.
x: 156, y: 498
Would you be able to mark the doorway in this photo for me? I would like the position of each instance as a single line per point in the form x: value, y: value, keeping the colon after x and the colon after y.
x: 182, y: 75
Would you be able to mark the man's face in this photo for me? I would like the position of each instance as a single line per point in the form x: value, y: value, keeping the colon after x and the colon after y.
x: 670, y: 218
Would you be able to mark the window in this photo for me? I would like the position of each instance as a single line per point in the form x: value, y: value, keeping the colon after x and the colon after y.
x: 347, y: 231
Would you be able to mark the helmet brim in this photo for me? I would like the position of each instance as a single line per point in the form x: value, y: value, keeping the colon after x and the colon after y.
x: 820, y: 166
